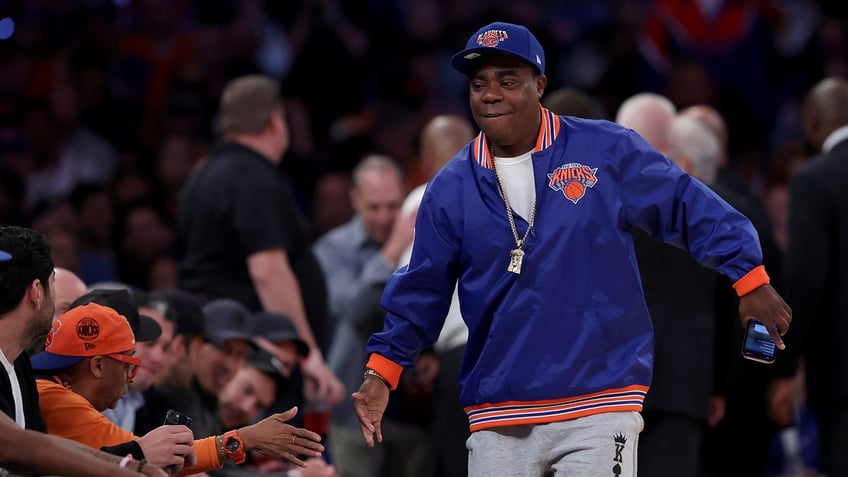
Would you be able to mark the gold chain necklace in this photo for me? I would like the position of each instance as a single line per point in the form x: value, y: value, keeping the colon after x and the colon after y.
x: 516, y: 255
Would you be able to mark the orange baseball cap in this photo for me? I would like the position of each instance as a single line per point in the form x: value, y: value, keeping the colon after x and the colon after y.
x: 82, y: 332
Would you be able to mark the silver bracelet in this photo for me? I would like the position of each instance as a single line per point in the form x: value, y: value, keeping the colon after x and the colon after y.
x: 371, y: 372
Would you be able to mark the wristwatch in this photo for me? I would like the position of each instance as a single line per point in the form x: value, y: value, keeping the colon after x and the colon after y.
x: 371, y: 372
x: 232, y: 446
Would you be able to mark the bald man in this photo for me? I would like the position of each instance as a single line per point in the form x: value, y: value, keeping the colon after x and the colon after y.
x: 817, y: 265
x: 441, y: 138
x: 710, y: 117
x: 681, y: 297
x: 572, y: 102
x: 650, y: 115
x: 69, y: 287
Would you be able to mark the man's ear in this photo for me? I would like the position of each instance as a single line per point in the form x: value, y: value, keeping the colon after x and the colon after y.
x: 178, y: 345
x: 194, y: 346
x: 95, y: 365
x: 34, y: 294
x: 541, y: 83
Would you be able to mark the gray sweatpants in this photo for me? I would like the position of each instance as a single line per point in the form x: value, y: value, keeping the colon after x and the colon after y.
x: 603, y: 445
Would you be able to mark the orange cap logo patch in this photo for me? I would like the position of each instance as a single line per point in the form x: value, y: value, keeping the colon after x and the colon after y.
x: 48, y: 342
x: 88, y: 329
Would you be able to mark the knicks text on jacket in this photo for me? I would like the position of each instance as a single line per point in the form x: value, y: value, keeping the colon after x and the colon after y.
x: 573, y: 179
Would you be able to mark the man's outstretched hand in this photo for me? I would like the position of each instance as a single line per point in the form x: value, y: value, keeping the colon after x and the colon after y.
x: 370, y: 403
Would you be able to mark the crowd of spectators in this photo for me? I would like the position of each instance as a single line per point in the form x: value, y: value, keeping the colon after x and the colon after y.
x: 105, y: 106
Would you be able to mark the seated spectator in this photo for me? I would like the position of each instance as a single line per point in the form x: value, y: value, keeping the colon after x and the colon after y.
x: 153, y: 355
x: 87, y: 365
x: 212, y: 358
x: 176, y: 375
x: 69, y: 287
x: 248, y: 396
x: 276, y: 334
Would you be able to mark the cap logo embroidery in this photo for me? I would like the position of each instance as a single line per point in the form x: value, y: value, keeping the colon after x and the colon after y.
x: 572, y: 179
x: 48, y: 342
x: 88, y: 329
x: 492, y: 38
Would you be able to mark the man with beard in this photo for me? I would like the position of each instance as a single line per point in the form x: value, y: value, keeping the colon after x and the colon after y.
x: 26, y: 312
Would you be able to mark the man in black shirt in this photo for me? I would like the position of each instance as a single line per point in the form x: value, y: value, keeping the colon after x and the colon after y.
x: 239, y: 233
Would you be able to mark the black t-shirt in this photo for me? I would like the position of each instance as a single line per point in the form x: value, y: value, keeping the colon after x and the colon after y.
x: 234, y: 205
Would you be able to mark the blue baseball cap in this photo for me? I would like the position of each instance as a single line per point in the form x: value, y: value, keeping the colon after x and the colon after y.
x: 501, y: 39
x: 5, y: 256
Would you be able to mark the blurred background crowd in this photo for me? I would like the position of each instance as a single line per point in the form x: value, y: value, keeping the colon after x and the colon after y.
x: 105, y: 106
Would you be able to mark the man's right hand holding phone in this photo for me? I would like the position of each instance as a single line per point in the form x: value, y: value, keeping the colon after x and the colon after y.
x: 767, y: 306
x: 168, y: 446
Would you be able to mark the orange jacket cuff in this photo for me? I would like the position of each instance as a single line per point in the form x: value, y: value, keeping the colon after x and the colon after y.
x: 206, y: 450
x: 387, y: 368
x: 752, y: 280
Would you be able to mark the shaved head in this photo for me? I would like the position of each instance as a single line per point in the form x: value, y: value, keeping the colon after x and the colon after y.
x: 69, y: 287
x: 825, y: 109
x: 442, y: 137
x: 650, y: 115
x: 710, y: 117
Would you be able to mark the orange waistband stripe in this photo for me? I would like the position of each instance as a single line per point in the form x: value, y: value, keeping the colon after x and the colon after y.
x: 516, y: 413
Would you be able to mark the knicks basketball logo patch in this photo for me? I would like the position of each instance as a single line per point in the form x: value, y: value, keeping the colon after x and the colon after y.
x: 491, y: 38
x: 572, y: 179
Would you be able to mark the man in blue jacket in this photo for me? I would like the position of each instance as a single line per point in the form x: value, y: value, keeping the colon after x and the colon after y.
x: 534, y: 219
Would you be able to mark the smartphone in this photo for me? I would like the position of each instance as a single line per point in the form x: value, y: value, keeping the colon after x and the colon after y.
x: 173, y: 417
x: 757, y: 345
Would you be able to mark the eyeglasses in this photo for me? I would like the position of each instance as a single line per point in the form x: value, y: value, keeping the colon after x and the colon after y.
x: 134, y: 363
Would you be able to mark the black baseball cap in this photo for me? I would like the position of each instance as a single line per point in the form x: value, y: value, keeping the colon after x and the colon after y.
x: 269, y: 365
x: 227, y: 319
x: 144, y: 327
x: 277, y: 328
x: 188, y: 313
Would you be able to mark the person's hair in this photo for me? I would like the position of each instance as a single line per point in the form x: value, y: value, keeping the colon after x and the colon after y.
x: 374, y: 162
x: 698, y: 143
x: 571, y: 102
x: 30, y: 261
x: 247, y: 103
x: 143, y: 299
x: 650, y: 115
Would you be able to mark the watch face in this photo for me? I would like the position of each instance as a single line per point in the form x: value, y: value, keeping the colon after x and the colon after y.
x: 232, y: 444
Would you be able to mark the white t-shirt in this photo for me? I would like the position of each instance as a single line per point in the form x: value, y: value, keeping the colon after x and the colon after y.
x: 454, y: 332
x: 20, y: 419
x: 516, y: 176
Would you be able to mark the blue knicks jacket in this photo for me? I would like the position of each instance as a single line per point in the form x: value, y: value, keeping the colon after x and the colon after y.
x: 571, y: 335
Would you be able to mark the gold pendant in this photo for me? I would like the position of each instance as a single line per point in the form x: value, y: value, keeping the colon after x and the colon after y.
x: 515, y: 258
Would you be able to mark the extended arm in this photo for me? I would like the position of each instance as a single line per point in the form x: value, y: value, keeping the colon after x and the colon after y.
x: 279, y: 291
x: 30, y: 452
